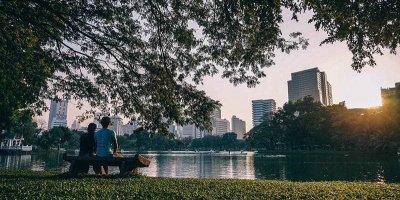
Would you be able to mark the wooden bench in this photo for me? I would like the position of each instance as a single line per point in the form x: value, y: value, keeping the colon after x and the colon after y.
x: 125, y: 164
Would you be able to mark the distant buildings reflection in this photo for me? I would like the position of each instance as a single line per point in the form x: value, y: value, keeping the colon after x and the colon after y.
x: 237, y: 165
x: 15, y: 162
x: 200, y: 166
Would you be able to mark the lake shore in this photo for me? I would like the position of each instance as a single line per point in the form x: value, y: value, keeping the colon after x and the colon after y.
x: 21, y: 184
x: 344, y: 152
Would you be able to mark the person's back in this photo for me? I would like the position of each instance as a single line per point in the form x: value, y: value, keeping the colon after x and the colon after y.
x: 84, y: 148
x: 104, y: 139
x: 87, y: 145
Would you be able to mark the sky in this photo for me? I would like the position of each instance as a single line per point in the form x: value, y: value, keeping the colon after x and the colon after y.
x: 358, y: 90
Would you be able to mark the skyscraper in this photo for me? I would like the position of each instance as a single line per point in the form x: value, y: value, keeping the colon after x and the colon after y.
x: 217, y: 113
x: 190, y: 131
x: 222, y: 126
x: 117, y: 125
x: 238, y: 127
x: 58, y: 114
x: 96, y: 119
x: 310, y: 82
x: 260, y: 108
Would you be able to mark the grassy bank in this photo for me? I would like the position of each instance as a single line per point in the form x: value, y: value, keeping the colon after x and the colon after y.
x: 50, y: 185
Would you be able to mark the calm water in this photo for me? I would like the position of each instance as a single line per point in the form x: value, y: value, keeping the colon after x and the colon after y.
x: 292, y: 167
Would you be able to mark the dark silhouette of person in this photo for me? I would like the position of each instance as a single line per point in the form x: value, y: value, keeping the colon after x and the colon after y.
x: 87, y: 147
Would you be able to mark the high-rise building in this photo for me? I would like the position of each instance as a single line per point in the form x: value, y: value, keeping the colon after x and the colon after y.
x: 217, y: 113
x: 58, y: 114
x: 96, y: 120
x: 238, y: 127
x: 130, y: 127
x: 219, y: 127
x: 261, y: 108
x: 117, y: 125
x: 310, y: 82
x: 222, y: 126
x: 190, y: 131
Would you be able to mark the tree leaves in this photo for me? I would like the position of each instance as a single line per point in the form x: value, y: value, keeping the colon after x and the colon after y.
x: 144, y: 58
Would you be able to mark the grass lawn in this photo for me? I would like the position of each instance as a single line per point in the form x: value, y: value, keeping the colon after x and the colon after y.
x: 51, y: 185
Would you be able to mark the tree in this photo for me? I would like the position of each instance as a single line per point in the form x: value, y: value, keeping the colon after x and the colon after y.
x: 265, y: 135
x: 41, y: 123
x: 303, y: 124
x: 229, y: 140
x: 367, y: 26
x: 144, y: 58
x: 54, y: 137
x: 22, y: 124
x: 197, y: 143
x: 74, y: 141
x: 142, y: 138
x: 212, y: 141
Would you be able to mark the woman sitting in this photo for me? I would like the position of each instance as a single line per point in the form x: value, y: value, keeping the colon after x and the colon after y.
x: 87, y: 147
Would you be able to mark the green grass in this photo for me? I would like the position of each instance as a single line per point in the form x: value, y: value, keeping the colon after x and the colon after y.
x: 51, y: 185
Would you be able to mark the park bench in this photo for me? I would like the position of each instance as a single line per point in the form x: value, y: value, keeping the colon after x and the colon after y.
x: 125, y: 164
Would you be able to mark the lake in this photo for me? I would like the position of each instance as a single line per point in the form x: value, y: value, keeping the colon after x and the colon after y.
x: 241, y: 165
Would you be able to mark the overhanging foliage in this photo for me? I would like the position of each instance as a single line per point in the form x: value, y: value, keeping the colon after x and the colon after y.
x: 144, y: 58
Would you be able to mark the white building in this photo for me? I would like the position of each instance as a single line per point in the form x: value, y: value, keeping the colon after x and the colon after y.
x: 179, y: 131
x: 191, y: 131
x: 260, y: 108
x: 96, y: 120
x: 117, y: 125
x: 217, y: 113
x: 238, y: 127
x: 58, y: 114
x: 173, y: 128
x: 222, y: 126
x: 58, y: 122
x: 219, y: 127
x: 75, y: 125
x: 310, y: 82
x: 15, y: 143
x: 129, y: 128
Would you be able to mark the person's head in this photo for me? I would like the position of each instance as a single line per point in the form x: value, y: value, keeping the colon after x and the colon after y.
x: 105, y: 122
x: 91, y: 128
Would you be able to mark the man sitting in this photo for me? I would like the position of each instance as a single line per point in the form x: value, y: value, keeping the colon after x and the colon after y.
x: 104, y: 139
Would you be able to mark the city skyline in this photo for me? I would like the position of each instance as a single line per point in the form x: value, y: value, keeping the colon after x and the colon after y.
x: 358, y: 90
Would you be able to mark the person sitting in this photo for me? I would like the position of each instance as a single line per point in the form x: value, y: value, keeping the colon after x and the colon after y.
x: 87, y: 147
x: 104, y: 138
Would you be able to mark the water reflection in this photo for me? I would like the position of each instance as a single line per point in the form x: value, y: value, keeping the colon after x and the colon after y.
x: 36, y: 162
x: 296, y: 167
x: 200, y: 166
x: 329, y: 168
x: 15, y: 162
